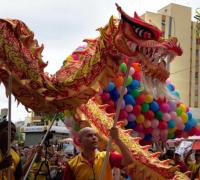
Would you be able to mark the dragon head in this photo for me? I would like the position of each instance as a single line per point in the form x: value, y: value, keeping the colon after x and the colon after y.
x: 133, y: 37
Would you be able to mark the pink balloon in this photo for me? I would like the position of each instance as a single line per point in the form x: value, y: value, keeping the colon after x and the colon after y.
x: 180, y: 126
x: 154, y: 123
x: 173, y: 115
x: 164, y: 133
x: 147, y: 124
x: 178, y: 121
x: 155, y: 132
x: 164, y: 107
x: 132, y: 70
x: 129, y: 108
x: 166, y: 117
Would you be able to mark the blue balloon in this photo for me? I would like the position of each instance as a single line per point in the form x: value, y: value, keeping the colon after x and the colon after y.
x: 129, y: 99
x: 147, y: 137
x: 188, y: 126
x: 114, y: 94
x: 110, y: 86
x: 131, y: 125
x: 154, y: 106
x: 193, y: 122
x: 129, y: 89
x: 175, y: 93
x: 170, y: 87
x: 189, y: 115
x: 134, y: 84
x: 171, y: 123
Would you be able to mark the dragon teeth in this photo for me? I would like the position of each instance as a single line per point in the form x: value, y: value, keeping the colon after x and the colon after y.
x: 133, y: 46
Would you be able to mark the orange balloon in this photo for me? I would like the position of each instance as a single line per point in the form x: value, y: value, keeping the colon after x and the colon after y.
x: 119, y: 81
x: 136, y: 66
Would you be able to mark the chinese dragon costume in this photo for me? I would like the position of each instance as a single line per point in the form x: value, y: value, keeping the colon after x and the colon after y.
x: 87, y: 70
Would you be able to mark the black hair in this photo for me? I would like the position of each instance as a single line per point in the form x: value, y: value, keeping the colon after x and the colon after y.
x: 4, y: 124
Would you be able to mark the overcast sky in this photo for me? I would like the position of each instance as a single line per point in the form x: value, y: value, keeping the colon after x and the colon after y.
x: 61, y: 26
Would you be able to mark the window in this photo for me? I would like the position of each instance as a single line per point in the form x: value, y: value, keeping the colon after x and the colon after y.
x: 196, y: 75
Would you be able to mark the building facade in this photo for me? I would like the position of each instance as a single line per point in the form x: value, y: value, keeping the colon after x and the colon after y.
x: 35, y: 129
x: 175, y: 20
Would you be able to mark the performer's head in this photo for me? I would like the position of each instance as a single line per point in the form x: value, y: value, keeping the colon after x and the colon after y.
x: 88, y: 139
x: 4, y: 132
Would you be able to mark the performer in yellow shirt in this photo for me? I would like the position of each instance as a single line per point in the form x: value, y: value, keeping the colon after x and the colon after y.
x: 194, y: 166
x: 87, y: 165
x: 8, y: 162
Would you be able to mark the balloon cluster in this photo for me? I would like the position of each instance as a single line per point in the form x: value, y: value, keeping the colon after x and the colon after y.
x: 152, y: 119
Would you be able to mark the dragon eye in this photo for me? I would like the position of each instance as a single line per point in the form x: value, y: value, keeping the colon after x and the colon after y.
x: 142, y: 33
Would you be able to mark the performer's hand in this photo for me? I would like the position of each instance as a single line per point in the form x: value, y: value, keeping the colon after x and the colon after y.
x: 7, y: 162
x: 114, y: 133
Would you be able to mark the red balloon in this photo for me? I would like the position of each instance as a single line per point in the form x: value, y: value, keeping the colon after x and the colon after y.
x: 161, y: 100
x: 145, y: 142
x: 123, y: 114
x: 179, y: 133
x: 137, y: 76
x: 162, y: 125
x: 139, y: 128
x: 194, y: 131
x: 111, y: 103
x: 110, y: 109
x: 149, y: 115
x: 137, y: 110
x: 148, y: 130
x: 140, y: 99
x: 105, y: 96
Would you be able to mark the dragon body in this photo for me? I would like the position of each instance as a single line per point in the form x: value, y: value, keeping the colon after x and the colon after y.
x: 88, y: 69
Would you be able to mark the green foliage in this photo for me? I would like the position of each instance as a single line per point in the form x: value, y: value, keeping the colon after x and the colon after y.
x: 49, y: 117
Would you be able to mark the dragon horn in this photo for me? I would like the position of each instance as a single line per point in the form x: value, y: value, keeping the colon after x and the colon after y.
x: 146, y: 148
x: 128, y: 131
x: 136, y: 139
x: 165, y: 162
x: 155, y: 155
x: 187, y: 173
x: 103, y: 107
x: 111, y: 115
x: 120, y: 124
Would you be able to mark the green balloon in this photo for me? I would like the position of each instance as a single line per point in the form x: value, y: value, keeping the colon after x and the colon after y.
x: 145, y: 107
x: 179, y: 111
x: 129, y: 81
x: 123, y: 67
x: 159, y: 115
x: 135, y: 93
x: 171, y: 136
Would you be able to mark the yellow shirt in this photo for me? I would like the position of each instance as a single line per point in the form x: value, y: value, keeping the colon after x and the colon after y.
x: 193, y: 167
x: 16, y: 160
x: 83, y: 170
x: 43, y: 171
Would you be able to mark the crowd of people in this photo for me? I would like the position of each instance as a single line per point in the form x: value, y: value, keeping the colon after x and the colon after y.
x: 53, y: 163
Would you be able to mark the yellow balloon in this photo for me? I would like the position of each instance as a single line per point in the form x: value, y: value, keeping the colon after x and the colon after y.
x: 183, y: 107
x: 184, y: 117
x: 140, y: 118
x: 171, y: 130
x: 148, y: 98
